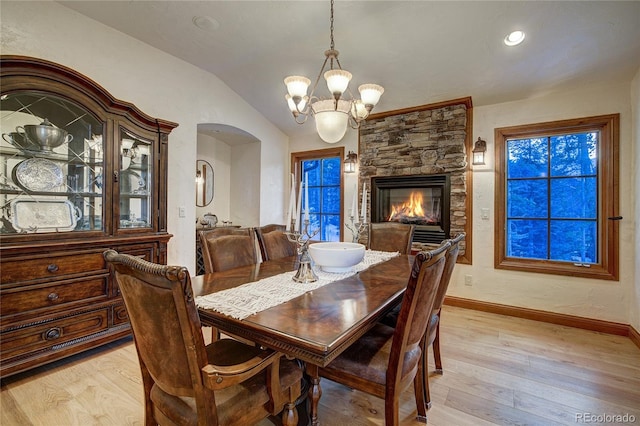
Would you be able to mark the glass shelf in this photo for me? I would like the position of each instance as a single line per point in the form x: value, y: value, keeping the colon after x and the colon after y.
x: 64, y: 160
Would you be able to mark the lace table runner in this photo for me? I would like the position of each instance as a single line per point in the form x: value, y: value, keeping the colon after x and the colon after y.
x: 248, y: 299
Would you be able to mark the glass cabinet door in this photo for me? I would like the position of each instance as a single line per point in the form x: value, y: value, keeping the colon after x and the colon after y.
x: 51, y: 165
x: 135, y: 178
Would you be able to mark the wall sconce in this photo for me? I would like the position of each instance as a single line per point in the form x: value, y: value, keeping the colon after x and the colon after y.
x: 479, y: 149
x: 350, y: 162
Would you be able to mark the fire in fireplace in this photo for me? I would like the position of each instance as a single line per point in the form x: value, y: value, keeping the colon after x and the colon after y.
x: 421, y: 200
x: 415, y: 210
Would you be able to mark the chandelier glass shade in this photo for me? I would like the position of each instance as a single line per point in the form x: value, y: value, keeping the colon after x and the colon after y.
x: 333, y: 114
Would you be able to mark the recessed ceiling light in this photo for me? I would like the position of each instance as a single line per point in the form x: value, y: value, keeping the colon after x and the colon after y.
x: 206, y: 23
x: 514, y: 38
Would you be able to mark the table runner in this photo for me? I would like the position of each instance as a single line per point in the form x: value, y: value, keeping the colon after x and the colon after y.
x: 248, y: 299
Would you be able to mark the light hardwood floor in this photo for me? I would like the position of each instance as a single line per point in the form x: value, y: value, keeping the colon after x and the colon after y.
x: 498, y: 370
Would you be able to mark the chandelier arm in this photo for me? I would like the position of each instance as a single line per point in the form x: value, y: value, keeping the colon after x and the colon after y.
x: 350, y: 93
x: 299, y: 115
x: 353, y: 123
x: 305, y: 111
x: 318, y: 79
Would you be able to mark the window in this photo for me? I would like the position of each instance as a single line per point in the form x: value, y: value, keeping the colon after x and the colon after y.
x: 557, y: 197
x: 323, y: 169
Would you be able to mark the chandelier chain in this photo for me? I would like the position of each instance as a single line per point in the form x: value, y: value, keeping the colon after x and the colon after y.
x: 331, y: 27
x: 335, y: 114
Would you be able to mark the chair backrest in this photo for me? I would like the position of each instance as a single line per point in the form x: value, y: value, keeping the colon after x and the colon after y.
x: 165, y: 323
x: 273, y: 242
x: 451, y: 258
x: 227, y: 248
x: 417, y: 304
x: 391, y: 236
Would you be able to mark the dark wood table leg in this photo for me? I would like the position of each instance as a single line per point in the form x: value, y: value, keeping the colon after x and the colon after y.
x: 315, y: 392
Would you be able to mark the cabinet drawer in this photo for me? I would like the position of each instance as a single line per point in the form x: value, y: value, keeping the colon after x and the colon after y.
x: 120, y: 315
x: 23, y: 299
x: 51, y: 267
x: 37, y: 337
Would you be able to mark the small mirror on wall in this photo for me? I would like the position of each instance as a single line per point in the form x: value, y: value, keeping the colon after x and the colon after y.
x: 204, y: 183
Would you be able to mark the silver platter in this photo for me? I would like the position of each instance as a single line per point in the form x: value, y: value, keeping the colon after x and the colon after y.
x: 33, y: 215
x: 38, y: 174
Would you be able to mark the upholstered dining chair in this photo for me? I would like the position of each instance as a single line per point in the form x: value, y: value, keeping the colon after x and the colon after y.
x: 273, y: 242
x: 432, y: 335
x: 186, y: 382
x: 227, y: 248
x: 386, y: 360
x: 391, y: 236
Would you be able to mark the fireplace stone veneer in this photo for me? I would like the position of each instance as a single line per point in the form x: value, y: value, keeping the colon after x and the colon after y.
x: 427, y: 140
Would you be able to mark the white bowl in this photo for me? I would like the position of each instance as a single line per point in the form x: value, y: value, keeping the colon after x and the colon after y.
x: 336, y: 257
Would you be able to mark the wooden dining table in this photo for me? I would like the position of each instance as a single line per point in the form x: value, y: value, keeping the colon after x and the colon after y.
x: 316, y: 326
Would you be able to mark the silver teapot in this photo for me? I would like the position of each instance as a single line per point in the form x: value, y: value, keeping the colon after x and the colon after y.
x: 19, y: 141
x: 45, y: 134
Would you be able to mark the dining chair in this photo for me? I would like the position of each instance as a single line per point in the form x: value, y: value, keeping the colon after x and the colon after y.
x: 273, y: 242
x: 227, y: 248
x: 432, y: 335
x: 184, y: 381
x: 391, y: 236
x: 386, y: 360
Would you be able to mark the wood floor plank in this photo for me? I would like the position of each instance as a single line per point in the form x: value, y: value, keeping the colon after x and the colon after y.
x: 580, y: 402
x: 497, y: 371
x: 599, y: 390
x: 492, y: 411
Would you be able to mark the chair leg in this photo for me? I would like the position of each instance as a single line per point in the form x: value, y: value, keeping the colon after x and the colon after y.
x: 215, y: 334
x: 425, y: 378
x: 418, y: 390
x: 418, y: 385
x: 391, y: 410
x: 436, y: 349
x: 290, y: 414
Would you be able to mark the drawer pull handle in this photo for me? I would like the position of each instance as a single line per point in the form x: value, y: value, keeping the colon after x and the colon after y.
x: 52, y: 333
x: 52, y: 296
x: 52, y: 268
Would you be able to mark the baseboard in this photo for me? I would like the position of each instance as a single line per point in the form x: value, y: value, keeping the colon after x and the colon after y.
x: 634, y: 335
x: 550, y: 317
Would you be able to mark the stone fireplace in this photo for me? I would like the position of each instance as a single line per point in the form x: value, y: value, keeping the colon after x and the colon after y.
x: 420, y: 155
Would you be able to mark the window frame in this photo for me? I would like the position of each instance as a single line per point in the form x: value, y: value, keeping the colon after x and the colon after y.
x: 318, y: 154
x: 607, y: 267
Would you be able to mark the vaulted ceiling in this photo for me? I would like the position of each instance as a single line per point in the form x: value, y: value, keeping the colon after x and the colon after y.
x: 420, y: 51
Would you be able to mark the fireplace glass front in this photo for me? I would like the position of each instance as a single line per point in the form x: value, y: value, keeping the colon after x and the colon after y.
x: 421, y: 200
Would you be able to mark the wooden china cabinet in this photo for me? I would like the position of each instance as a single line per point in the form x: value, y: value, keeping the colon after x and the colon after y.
x: 80, y: 172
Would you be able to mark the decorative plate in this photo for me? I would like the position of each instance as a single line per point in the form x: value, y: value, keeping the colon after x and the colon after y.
x: 38, y: 174
x: 33, y: 215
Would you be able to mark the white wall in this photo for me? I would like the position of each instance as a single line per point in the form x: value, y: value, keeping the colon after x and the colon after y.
x: 634, y: 294
x: 599, y: 299
x: 218, y: 154
x: 245, y: 186
x: 606, y: 300
x: 161, y: 86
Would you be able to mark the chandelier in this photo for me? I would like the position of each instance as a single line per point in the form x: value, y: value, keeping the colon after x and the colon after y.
x: 334, y: 114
